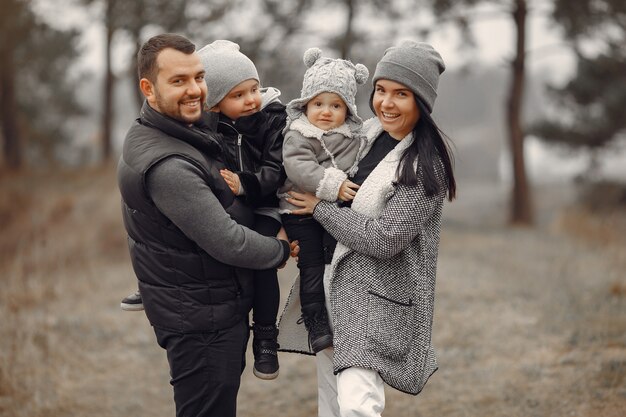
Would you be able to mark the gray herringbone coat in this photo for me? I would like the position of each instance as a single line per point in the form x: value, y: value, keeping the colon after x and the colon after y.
x: 382, y: 287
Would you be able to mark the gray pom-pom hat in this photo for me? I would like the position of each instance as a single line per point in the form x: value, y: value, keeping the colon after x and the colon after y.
x: 327, y: 75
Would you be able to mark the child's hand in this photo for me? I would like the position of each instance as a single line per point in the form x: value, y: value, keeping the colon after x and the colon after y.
x: 293, y: 252
x: 232, y: 180
x: 347, y: 191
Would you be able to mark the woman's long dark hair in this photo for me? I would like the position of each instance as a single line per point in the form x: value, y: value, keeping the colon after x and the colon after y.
x: 432, y: 146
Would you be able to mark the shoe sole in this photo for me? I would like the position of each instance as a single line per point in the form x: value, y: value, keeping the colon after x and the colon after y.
x: 322, y: 343
x: 263, y: 376
x: 131, y: 307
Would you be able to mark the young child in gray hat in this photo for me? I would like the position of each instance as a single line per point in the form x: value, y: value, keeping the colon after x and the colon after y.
x: 320, y: 150
x: 251, y: 120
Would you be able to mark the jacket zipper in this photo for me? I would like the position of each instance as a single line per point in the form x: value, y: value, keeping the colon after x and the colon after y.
x: 239, y: 139
x: 239, y: 136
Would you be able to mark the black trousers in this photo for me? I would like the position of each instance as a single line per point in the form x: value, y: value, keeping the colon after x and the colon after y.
x: 266, y: 289
x: 205, y: 369
x: 311, y: 260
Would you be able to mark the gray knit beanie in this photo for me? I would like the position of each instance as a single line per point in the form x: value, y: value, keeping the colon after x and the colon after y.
x: 414, y: 64
x: 224, y: 67
x: 327, y: 75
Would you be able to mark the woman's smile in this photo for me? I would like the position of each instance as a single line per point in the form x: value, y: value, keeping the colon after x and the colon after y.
x: 395, y: 106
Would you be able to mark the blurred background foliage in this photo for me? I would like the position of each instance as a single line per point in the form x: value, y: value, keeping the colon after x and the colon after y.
x: 57, y: 111
x: 539, y: 311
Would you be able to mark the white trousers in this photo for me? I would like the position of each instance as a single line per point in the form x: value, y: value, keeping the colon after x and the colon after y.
x: 354, y: 392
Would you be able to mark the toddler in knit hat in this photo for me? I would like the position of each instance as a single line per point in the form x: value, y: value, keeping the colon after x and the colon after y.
x: 251, y: 121
x: 322, y: 140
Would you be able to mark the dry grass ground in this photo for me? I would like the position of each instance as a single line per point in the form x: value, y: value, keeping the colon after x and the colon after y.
x: 528, y: 322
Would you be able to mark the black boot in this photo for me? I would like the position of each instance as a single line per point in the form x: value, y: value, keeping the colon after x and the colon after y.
x: 264, y: 348
x: 316, y: 322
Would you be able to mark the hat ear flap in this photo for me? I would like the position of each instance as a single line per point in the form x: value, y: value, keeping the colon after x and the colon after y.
x: 311, y: 55
x: 361, y: 74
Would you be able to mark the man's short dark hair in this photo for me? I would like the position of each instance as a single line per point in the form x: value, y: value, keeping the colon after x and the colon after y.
x: 147, y: 56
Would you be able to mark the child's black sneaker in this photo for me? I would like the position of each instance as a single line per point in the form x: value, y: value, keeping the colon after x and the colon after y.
x: 320, y: 335
x: 265, y: 350
x: 133, y: 302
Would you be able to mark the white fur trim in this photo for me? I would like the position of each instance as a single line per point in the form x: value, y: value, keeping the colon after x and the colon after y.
x: 375, y: 190
x: 329, y: 185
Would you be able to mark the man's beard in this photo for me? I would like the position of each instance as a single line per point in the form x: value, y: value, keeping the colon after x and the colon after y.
x: 173, y: 109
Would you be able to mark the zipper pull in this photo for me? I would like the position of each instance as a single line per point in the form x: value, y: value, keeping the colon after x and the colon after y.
x: 239, y: 136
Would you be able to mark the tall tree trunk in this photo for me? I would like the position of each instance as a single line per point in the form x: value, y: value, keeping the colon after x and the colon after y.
x: 139, y: 98
x: 109, y: 82
x: 137, y: 8
x: 8, y: 112
x: 346, y: 42
x: 521, y: 202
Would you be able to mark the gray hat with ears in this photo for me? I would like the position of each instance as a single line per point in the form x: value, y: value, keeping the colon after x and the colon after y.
x: 225, y: 67
x: 327, y: 75
x: 416, y: 65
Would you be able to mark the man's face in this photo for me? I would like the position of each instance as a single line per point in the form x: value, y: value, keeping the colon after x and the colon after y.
x: 179, y: 91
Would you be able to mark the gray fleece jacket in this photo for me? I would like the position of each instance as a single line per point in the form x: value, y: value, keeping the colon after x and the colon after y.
x: 317, y: 160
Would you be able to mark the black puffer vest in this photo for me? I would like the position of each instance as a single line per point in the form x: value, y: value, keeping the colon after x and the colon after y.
x: 183, y: 288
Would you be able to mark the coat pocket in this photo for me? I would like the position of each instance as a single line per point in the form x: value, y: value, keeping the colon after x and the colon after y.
x: 390, y: 326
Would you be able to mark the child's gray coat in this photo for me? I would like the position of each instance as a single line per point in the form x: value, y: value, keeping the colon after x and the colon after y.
x: 316, y: 160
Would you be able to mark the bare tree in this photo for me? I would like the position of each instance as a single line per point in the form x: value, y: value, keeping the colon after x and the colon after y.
x: 521, y: 210
x: 521, y: 201
x: 14, y: 22
x: 131, y: 17
x: 345, y: 44
x: 35, y: 60
x: 110, y: 24
x: 354, y: 9
x: 8, y: 115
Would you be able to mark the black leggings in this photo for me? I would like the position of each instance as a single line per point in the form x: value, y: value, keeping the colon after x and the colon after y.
x: 266, y: 289
x: 311, y: 261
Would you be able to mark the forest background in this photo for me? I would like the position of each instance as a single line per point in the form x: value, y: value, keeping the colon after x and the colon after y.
x: 533, y: 98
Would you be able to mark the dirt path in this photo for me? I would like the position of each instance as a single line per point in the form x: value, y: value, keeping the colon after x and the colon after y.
x: 528, y: 322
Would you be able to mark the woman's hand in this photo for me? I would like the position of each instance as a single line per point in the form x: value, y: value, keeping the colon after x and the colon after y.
x: 306, y: 201
x: 347, y: 191
x: 232, y: 180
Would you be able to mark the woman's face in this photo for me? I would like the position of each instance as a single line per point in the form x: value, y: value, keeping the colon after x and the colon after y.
x: 395, y: 107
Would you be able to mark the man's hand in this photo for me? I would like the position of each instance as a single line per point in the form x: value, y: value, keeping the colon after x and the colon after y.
x: 232, y: 180
x: 347, y: 191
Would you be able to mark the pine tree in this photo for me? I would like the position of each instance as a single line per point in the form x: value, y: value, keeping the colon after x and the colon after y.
x: 36, y: 96
x: 592, y: 103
